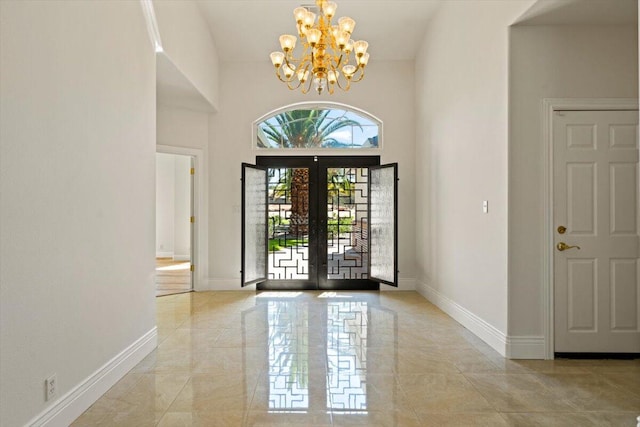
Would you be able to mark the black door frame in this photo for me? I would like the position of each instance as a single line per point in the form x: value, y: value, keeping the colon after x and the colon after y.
x: 318, y: 274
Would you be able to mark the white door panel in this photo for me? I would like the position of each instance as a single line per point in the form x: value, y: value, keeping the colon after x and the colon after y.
x: 596, y: 287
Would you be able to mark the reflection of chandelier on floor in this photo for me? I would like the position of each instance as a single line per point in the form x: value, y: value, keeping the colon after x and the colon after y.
x: 326, y: 57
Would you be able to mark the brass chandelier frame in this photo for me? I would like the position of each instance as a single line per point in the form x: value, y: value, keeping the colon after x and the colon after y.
x: 326, y: 58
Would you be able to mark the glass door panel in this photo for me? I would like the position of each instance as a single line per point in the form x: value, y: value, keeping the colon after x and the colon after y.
x: 288, y: 223
x: 254, y: 224
x: 344, y: 222
x: 292, y: 222
x: 347, y: 223
x: 383, y: 211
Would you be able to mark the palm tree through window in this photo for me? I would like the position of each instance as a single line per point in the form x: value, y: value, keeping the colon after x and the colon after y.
x: 309, y: 128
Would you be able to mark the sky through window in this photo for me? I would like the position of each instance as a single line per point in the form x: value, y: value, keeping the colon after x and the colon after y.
x: 331, y: 128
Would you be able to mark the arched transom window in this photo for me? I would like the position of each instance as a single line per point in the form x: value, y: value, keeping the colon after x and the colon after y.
x: 318, y: 126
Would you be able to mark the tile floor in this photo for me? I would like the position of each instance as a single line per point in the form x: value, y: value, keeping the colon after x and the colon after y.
x: 344, y: 359
x: 172, y: 277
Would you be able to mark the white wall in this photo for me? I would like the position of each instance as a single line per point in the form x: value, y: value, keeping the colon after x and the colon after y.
x: 187, y: 42
x: 252, y: 90
x: 182, y: 212
x: 179, y: 127
x: 551, y: 62
x: 173, y: 206
x: 165, y: 204
x: 461, y: 160
x: 77, y: 132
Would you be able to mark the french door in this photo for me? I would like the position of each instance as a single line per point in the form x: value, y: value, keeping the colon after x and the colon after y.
x: 319, y: 222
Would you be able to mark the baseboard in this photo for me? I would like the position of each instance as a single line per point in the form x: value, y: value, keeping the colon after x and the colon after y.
x: 186, y: 257
x: 234, y: 285
x: 164, y: 254
x: 403, y: 285
x: 525, y: 347
x: 485, y: 331
x: 70, y: 406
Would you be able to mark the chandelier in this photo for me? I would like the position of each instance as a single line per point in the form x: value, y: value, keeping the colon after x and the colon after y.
x: 326, y: 60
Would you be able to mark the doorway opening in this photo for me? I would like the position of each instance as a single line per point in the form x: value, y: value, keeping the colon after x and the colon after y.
x: 174, y: 223
x: 322, y: 223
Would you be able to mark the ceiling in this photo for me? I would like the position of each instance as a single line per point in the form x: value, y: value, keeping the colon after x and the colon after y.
x: 173, y: 88
x: 581, y: 12
x: 248, y: 30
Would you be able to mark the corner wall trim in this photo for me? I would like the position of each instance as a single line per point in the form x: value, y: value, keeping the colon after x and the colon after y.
x: 526, y: 347
x: 70, y: 406
x: 483, y: 330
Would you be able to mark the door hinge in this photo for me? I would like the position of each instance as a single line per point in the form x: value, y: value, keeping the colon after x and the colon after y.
x: 192, y: 219
x: 193, y: 171
x: 192, y: 268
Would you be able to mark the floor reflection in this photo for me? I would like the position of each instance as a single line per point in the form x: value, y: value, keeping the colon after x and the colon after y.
x: 347, y: 355
x: 388, y: 359
x: 288, y: 349
x: 318, y: 345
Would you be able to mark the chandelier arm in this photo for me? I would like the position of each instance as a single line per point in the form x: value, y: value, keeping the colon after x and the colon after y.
x: 344, y: 87
x: 289, y: 59
x: 292, y: 87
x: 280, y: 77
x: 308, y: 88
x: 284, y: 78
x: 360, y: 77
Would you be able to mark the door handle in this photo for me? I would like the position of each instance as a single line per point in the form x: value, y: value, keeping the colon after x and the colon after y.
x: 562, y: 246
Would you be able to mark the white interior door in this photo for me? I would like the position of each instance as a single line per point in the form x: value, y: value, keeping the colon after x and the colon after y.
x: 596, y: 286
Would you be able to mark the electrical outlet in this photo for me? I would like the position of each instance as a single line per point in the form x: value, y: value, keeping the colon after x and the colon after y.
x: 50, y: 385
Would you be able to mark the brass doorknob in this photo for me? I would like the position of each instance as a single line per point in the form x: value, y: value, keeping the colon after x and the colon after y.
x: 562, y: 246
